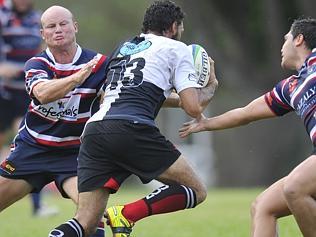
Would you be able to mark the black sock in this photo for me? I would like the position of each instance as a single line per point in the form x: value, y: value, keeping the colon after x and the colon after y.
x: 71, y: 228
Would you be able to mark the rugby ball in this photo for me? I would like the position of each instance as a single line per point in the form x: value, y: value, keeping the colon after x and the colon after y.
x: 201, y: 64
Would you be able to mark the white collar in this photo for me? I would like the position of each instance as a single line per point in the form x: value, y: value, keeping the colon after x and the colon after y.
x: 76, y: 57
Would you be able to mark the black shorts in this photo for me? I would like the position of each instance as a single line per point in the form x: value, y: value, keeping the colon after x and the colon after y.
x: 112, y: 150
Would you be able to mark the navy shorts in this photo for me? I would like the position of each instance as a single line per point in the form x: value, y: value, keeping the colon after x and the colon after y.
x: 40, y: 165
x: 15, y: 104
x: 112, y: 150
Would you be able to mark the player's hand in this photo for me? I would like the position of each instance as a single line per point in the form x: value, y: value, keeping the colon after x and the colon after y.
x: 212, y: 80
x: 86, y: 70
x: 194, y: 126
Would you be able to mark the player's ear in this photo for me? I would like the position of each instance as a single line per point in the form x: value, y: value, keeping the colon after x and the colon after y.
x: 174, y: 27
x: 42, y: 34
x: 299, y: 40
x: 171, y: 31
x: 76, y: 26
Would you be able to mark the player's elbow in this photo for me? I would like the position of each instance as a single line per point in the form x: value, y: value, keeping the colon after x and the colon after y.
x: 194, y: 111
x: 41, y: 97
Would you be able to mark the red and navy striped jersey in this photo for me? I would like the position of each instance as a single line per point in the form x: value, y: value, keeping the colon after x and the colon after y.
x: 20, y: 40
x: 60, y: 123
x: 297, y: 93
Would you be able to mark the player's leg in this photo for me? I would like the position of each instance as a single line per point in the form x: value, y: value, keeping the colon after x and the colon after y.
x: 91, y: 209
x: 182, y: 190
x: 150, y: 157
x: 266, y: 209
x: 300, y: 194
x: 12, y: 190
x: 70, y: 190
x: 13, y: 179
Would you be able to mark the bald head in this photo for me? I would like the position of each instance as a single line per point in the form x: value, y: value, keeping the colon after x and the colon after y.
x: 56, y: 13
x: 59, y: 28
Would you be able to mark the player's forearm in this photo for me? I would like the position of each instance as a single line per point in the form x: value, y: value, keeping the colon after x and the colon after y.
x: 233, y: 118
x: 52, y: 90
x: 207, y: 93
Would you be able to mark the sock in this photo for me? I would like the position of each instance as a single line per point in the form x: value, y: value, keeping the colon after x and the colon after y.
x: 100, y: 230
x: 168, y: 198
x: 36, y: 199
x: 71, y: 228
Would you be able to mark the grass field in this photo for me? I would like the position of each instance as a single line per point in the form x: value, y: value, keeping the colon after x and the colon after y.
x: 225, y: 213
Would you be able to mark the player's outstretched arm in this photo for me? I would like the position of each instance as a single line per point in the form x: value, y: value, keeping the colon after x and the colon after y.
x: 255, y: 110
x: 52, y: 90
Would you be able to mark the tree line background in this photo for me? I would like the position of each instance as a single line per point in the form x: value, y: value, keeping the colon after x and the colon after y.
x: 244, y: 37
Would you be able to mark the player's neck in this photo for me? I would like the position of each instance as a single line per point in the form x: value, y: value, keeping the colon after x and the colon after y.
x: 302, y: 56
x: 64, y: 55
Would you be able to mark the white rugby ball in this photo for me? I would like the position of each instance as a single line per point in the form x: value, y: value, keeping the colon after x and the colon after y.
x: 201, y: 64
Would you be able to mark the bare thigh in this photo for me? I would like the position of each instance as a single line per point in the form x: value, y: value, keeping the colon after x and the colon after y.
x: 12, y: 190
x: 272, y: 201
x: 181, y: 172
x: 303, y: 178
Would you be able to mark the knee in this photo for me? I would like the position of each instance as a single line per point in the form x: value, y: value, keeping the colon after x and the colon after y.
x: 292, y: 189
x: 201, y: 194
x: 255, y: 207
x: 259, y: 208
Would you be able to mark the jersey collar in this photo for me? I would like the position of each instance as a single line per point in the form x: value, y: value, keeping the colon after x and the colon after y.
x: 76, y: 57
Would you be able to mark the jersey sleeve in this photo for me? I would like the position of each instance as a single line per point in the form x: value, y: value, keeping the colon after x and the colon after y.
x: 276, y: 99
x: 100, y: 68
x: 184, y: 71
x: 36, y: 71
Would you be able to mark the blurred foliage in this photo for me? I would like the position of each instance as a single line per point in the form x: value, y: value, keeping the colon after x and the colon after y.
x: 244, y: 37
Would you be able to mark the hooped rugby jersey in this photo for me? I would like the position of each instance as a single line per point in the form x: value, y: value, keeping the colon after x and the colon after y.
x: 141, y: 75
x: 20, y: 40
x: 60, y: 123
x: 297, y: 93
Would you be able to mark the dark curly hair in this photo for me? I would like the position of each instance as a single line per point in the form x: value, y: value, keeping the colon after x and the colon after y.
x: 306, y: 27
x: 161, y: 15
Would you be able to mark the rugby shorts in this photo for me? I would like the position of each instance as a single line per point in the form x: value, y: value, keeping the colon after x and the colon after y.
x: 40, y: 165
x: 112, y: 150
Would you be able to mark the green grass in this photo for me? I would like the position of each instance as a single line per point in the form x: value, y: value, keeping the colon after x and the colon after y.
x: 224, y: 213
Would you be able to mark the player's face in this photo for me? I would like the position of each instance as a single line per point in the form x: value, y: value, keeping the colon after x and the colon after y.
x: 288, y: 52
x: 178, y: 32
x: 58, y: 29
x: 22, y: 6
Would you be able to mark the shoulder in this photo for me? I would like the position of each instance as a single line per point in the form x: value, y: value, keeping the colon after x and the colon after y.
x: 88, y: 54
x: 177, y: 47
x: 39, y: 60
x: 171, y: 48
x: 170, y: 44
